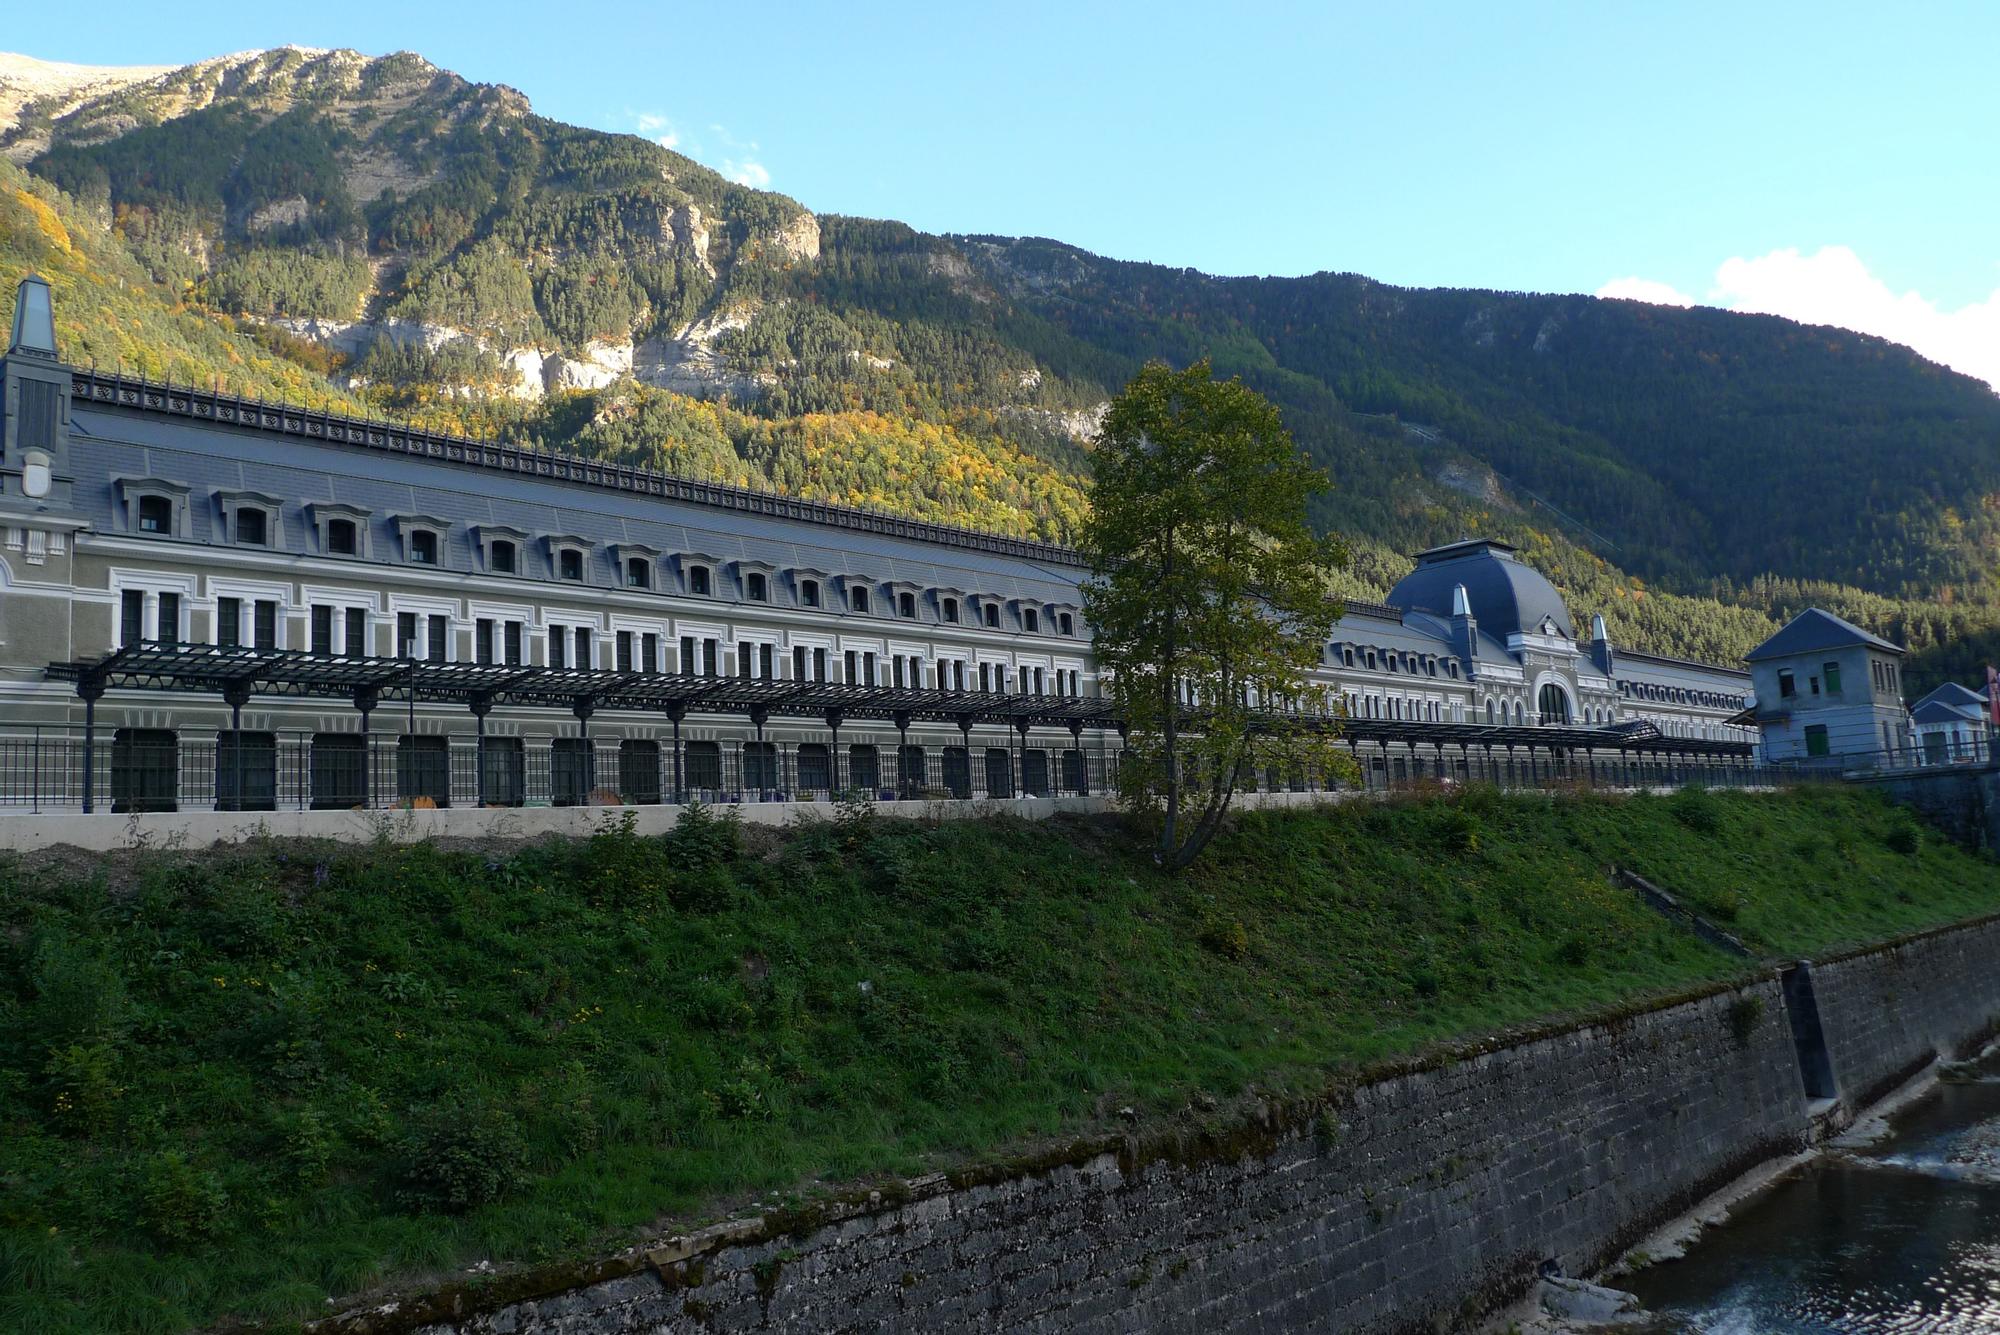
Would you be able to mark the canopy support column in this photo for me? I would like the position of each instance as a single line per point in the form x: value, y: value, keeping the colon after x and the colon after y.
x: 481, y: 705
x: 90, y: 689
x: 235, y: 694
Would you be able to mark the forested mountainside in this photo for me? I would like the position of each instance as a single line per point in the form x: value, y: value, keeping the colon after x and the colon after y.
x: 381, y: 235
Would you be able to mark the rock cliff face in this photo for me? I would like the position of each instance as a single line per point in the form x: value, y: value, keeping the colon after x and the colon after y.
x: 378, y: 128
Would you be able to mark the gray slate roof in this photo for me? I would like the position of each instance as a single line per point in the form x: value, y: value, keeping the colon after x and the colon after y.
x: 1814, y: 630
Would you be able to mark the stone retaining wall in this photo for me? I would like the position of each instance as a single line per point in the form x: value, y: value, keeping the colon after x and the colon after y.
x: 1887, y: 1011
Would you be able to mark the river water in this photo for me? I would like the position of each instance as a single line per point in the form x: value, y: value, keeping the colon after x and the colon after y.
x: 1902, y: 1236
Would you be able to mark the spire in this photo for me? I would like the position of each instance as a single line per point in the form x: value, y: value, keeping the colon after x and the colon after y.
x: 1600, y: 644
x: 34, y: 320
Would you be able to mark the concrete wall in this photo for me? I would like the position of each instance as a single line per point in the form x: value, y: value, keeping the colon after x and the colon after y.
x: 1411, y: 1202
x: 1887, y: 1012
x: 22, y: 831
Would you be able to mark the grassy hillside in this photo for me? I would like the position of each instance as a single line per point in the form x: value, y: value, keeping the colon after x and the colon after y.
x: 238, y: 1084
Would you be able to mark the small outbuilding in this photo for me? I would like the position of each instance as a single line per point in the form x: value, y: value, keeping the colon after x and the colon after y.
x: 1827, y: 690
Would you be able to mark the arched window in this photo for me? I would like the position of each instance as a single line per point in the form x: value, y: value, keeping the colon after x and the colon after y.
x: 1489, y: 710
x: 1553, y: 703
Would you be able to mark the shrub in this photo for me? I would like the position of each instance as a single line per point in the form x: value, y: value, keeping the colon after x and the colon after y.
x: 704, y: 837
x: 1456, y: 829
x: 1698, y: 809
x: 460, y: 1153
x: 83, y: 1089
x: 178, y: 1202
x: 310, y: 1144
x: 1904, y: 837
x: 1574, y: 951
x: 1226, y: 937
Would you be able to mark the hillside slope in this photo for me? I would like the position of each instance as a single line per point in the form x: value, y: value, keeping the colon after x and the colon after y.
x: 434, y: 249
x: 240, y: 1083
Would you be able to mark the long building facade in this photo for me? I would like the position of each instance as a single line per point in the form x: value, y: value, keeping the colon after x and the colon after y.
x: 213, y: 600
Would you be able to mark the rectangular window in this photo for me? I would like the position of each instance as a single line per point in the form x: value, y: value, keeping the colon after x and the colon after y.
x: 482, y: 641
x: 322, y: 630
x: 868, y: 669
x: 711, y: 658
x: 624, y: 651
x: 406, y: 634
x: 746, y: 662
x: 357, y: 632
x: 649, y: 654
x: 798, y: 662
x: 169, y: 631
x: 558, y: 646
x: 513, y: 644
x: 688, y: 665
x: 985, y: 676
x: 847, y: 667
x: 1831, y: 675
x: 896, y: 672
x: 1788, y: 685
x: 583, y: 648
x: 1816, y: 743
x: 819, y: 665
x: 228, y: 622
x: 440, y: 629
x: 266, y: 629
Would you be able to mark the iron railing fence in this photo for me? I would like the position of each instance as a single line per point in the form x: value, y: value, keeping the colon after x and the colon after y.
x: 148, y: 769
x: 1934, y: 751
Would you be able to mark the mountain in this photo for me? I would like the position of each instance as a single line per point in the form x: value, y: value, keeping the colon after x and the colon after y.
x: 380, y: 233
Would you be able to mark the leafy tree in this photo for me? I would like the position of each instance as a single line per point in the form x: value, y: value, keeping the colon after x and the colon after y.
x: 1209, y: 598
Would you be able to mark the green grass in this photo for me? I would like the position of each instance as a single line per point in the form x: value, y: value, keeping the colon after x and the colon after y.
x: 235, y: 1084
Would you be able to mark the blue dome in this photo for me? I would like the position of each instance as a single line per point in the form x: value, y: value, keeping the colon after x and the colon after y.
x: 1504, y: 594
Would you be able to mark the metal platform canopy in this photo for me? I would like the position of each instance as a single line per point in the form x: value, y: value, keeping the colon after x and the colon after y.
x: 238, y: 674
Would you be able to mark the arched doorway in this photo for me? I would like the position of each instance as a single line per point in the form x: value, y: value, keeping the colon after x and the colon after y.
x: 1553, y: 704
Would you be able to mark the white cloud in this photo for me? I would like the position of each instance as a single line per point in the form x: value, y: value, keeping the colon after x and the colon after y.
x: 657, y: 128
x: 1832, y: 286
x: 748, y: 172
x: 1645, y: 289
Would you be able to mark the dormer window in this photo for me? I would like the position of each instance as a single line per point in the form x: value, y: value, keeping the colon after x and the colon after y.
x: 250, y: 518
x: 992, y: 614
x: 757, y: 588
x: 950, y: 610
x: 1030, y: 620
x: 339, y: 528
x: 503, y: 557
x: 1066, y: 623
x: 858, y: 599
x: 906, y: 604
x: 156, y: 514
x: 638, y: 573
x: 699, y: 582
x: 809, y: 592
x: 423, y: 547
x: 569, y: 564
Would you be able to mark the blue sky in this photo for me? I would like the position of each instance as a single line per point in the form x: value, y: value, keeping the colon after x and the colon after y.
x: 1841, y: 158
